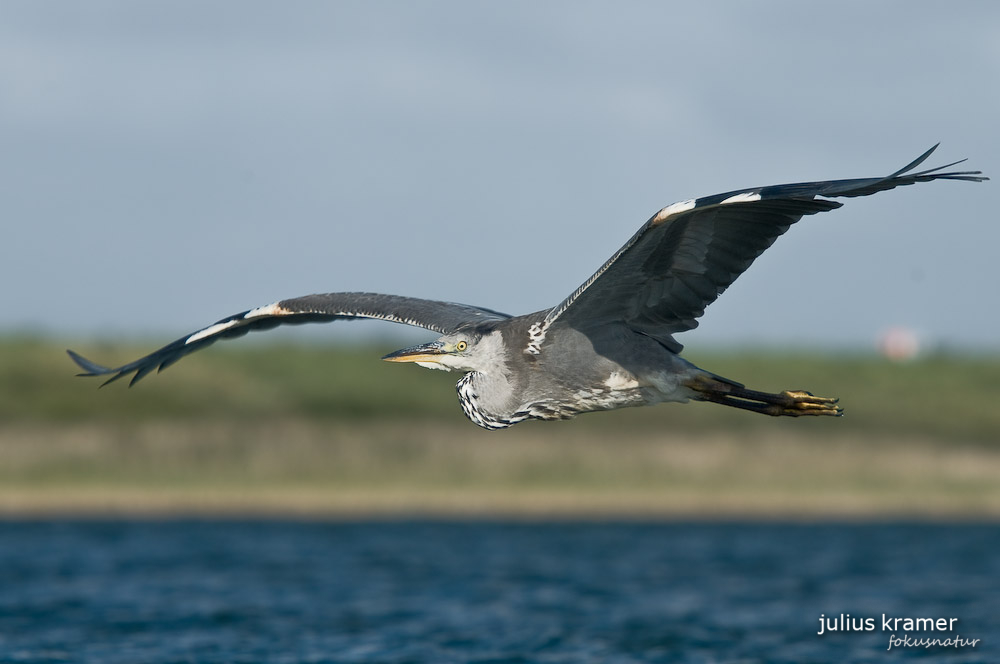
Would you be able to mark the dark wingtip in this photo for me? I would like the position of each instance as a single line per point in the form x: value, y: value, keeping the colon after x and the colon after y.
x: 94, y: 369
x: 916, y: 162
x: 935, y: 173
x: 91, y: 368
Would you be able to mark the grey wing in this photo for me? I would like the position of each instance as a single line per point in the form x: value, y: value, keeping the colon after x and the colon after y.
x: 688, y: 253
x: 441, y: 317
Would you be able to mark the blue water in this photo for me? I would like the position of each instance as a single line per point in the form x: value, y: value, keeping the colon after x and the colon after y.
x: 274, y: 591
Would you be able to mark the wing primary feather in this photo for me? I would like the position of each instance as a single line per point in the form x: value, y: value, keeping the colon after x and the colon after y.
x: 916, y: 162
x: 89, y: 368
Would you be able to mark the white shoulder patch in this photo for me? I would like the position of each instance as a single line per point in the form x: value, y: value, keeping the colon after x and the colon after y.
x: 745, y: 197
x: 674, y: 208
x: 267, y: 310
x: 210, y: 330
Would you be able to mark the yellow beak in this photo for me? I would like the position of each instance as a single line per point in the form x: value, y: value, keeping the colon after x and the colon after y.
x: 429, y: 352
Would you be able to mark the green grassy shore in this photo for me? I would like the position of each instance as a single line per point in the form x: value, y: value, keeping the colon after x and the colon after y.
x: 312, y: 430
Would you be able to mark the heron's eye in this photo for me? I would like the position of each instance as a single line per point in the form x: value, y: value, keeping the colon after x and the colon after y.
x: 461, y: 346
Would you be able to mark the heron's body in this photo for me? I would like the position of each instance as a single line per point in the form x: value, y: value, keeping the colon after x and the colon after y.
x: 630, y: 370
x: 610, y: 343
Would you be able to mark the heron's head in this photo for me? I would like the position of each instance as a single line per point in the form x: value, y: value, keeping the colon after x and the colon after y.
x: 458, y: 352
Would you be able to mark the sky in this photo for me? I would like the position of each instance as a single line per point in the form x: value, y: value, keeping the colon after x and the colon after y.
x: 165, y: 164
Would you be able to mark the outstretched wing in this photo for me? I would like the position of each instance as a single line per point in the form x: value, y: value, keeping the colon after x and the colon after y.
x: 441, y: 317
x: 688, y: 253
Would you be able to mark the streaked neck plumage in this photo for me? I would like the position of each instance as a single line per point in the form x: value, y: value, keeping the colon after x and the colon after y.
x: 486, y: 393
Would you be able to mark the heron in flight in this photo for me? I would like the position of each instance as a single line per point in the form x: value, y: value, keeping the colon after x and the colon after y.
x: 610, y: 343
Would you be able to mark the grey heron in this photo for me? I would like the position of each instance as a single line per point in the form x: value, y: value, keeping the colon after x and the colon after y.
x: 610, y: 343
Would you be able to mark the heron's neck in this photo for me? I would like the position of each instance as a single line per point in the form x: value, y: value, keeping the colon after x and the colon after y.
x: 487, y: 394
x: 475, y: 407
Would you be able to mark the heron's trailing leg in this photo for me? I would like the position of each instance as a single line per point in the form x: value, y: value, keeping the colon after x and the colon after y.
x: 792, y: 403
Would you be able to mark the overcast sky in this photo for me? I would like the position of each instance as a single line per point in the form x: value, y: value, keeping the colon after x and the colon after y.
x: 163, y: 165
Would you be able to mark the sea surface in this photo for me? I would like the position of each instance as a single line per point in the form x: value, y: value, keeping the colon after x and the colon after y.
x: 157, y: 591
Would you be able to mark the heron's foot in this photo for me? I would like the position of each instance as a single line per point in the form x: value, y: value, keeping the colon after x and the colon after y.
x: 800, y: 402
x: 791, y: 403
